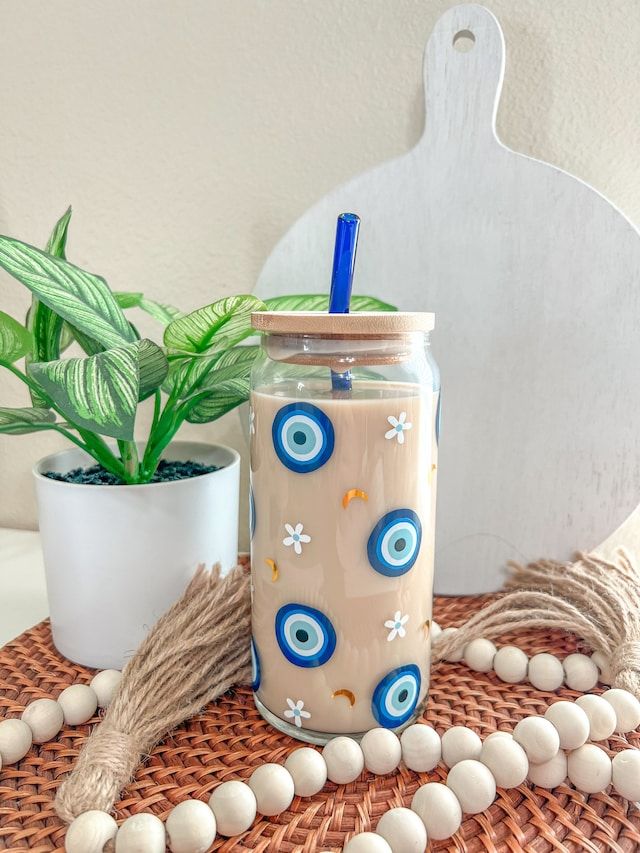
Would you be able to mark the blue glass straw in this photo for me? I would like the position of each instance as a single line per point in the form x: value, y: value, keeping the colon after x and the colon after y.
x: 344, y: 261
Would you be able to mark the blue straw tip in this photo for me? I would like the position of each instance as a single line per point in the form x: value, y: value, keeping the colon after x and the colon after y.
x: 349, y: 217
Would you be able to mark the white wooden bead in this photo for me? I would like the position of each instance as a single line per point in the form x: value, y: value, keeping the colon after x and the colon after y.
x: 15, y: 741
x: 191, y: 827
x: 473, y: 784
x: 550, y: 773
x: 308, y: 770
x: 511, y: 664
x: 589, y: 769
x: 79, y: 703
x: 538, y: 738
x: 545, y: 672
x: 89, y: 832
x: 367, y: 842
x: 141, y: 833
x: 627, y: 709
x: 344, y: 760
x: 626, y: 774
x: 571, y: 723
x: 45, y: 719
x: 439, y: 810
x: 435, y: 631
x: 454, y: 657
x: 602, y: 662
x: 506, y: 760
x: 104, y: 684
x: 234, y: 806
x: 498, y: 734
x: 382, y: 751
x: 580, y: 672
x: 459, y: 743
x: 479, y: 655
x: 421, y: 747
x: 273, y: 787
x: 602, y: 717
x: 403, y: 830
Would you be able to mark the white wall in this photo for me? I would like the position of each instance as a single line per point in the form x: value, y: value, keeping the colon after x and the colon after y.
x: 189, y: 134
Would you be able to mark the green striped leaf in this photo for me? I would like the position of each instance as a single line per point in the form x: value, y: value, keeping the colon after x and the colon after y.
x: 46, y: 327
x: 15, y: 340
x: 320, y: 302
x: 215, y: 327
x: 206, y: 370
x: 57, y: 242
x: 22, y: 421
x: 160, y: 311
x: 101, y: 392
x: 81, y: 298
x: 152, y: 368
x: 226, y: 396
x: 225, y: 387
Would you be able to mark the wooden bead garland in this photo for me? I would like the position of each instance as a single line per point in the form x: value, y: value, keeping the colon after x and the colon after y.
x: 191, y: 827
x: 90, y: 831
x: 550, y: 773
x: 459, y: 743
x: 273, y: 788
x: 45, y: 718
x: 403, y: 830
x: 382, y: 751
x: 534, y: 751
x: 506, y: 760
x: 602, y: 717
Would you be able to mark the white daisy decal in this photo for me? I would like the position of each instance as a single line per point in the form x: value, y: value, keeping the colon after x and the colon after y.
x: 296, y: 537
x: 398, y: 427
x: 252, y: 421
x: 296, y: 712
x: 396, y: 625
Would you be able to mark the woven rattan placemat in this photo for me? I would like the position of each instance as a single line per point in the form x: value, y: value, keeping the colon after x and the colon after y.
x: 229, y: 739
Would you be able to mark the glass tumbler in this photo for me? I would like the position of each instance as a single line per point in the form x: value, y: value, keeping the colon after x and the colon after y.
x: 345, y: 419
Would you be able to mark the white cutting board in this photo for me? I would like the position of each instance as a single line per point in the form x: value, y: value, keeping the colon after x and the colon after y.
x: 535, y: 280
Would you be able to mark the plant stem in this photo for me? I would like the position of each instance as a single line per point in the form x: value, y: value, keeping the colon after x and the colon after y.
x: 157, y: 408
x: 129, y: 453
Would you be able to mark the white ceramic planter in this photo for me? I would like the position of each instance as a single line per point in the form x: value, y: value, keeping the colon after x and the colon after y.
x: 116, y: 557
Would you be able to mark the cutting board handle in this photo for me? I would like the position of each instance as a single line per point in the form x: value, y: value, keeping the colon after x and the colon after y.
x: 462, y: 86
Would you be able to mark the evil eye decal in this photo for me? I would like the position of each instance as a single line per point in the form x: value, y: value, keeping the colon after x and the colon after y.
x: 305, y: 636
x: 256, y: 675
x: 394, y: 543
x: 438, y: 416
x: 396, y: 696
x: 252, y: 512
x: 303, y: 437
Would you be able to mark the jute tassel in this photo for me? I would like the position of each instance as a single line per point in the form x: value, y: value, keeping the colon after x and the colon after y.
x: 194, y: 654
x: 595, y: 599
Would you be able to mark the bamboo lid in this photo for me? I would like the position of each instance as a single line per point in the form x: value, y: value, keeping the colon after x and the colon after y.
x: 363, y: 323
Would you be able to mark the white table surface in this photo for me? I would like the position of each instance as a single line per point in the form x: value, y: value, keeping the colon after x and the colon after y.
x: 23, y: 593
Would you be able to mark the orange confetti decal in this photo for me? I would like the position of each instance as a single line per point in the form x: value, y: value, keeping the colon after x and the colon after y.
x: 427, y: 626
x: 351, y: 494
x: 432, y: 472
x: 274, y: 569
x: 347, y: 694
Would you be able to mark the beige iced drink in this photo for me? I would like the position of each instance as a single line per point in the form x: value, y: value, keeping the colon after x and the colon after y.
x: 343, y: 504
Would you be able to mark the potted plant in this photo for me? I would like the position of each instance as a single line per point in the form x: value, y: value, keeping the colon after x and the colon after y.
x: 124, y: 523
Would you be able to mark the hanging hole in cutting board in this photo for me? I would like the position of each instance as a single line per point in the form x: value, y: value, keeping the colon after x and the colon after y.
x: 463, y: 41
